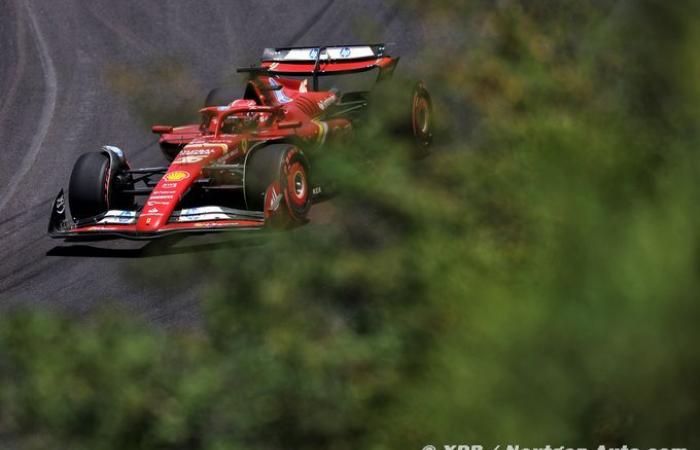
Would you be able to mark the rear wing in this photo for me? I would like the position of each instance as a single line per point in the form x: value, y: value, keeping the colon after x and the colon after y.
x: 324, y: 53
x: 325, y: 60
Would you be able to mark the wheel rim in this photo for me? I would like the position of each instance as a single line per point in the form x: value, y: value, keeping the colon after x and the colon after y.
x: 298, y: 186
x: 422, y: 115
x: 421, y: 118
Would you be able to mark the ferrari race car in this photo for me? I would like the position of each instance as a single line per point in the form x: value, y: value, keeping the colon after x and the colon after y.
x: 248, y: 163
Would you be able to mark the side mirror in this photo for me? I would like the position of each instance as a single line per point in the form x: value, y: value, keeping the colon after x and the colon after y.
x: 287, y: 124
x: 161, y: 129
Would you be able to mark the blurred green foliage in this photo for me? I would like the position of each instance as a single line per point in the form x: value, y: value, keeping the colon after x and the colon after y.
x: 533, y: 282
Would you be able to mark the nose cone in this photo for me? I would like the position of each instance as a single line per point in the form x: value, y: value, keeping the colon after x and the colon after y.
x: 151, y: 220
x: 163, y: 200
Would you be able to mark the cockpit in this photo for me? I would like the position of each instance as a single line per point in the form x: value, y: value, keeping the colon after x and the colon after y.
x: 243, y: 122
x: 241, y: 116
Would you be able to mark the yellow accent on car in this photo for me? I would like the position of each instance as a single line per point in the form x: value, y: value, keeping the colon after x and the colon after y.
x: 322, y: 131
x: 176, y: 176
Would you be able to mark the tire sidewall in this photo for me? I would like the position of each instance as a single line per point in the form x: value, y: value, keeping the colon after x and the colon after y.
x: 222, y: 96
x: 91, y: 187
x: 88, y: 192
x: 422, y: 118
x: 269, y: 177
x: 293, y: 166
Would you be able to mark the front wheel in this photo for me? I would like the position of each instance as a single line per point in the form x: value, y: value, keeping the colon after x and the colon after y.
x: 276, y: 181
x: 91, y: 190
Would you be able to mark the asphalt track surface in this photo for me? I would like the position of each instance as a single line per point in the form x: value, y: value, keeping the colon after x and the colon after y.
x: 76, y: 74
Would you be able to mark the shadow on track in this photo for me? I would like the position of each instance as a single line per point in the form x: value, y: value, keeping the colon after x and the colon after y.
x: 161, y: 247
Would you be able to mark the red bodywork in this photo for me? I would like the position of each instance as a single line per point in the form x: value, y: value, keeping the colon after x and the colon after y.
x: 282, y: 108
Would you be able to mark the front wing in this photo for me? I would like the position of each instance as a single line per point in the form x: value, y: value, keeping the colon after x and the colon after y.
x: 122, y: 224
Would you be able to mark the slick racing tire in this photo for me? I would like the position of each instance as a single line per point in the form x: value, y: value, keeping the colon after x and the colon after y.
x: 421, y: 121
x: 91, y: 189
x: 406, y: 110
x: 222, y: 96
x: 276, y: 181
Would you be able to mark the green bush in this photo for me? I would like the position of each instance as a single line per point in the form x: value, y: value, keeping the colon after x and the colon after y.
x: 533, y: 282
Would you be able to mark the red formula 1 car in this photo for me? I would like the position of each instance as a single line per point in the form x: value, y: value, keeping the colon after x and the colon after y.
x: 247, y: 164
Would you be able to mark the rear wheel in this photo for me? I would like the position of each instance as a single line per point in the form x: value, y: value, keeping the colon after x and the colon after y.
x: 91, y: 190
x: 422, y: 119
x: 222, y: 96
x: 406, y: 110
x: 276, y: 181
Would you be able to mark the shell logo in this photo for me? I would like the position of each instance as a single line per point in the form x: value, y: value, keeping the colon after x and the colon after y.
x: 178, y: 175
